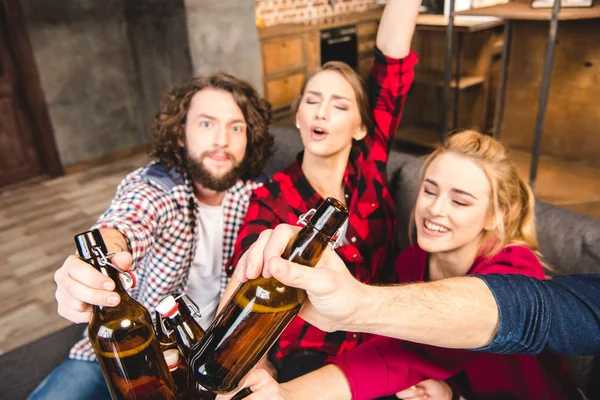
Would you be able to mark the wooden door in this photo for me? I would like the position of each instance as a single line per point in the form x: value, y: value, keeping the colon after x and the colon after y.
x: 19, y: 159
x: 27, y: 147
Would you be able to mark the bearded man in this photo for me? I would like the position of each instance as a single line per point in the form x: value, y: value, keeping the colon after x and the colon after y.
x: 175, y: 220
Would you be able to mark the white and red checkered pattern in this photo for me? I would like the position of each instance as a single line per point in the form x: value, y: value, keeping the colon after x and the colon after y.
x: 154, y: 207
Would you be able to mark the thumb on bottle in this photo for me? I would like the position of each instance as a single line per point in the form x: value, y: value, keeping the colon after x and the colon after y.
x: 289, y: 273
x: 122, y: 260
x: 278, y: 268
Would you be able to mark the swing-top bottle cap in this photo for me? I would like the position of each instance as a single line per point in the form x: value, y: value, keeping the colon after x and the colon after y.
x: 167, y: 306
x: 329, y: 216
x: 86, y: 242
x: 172, y: 357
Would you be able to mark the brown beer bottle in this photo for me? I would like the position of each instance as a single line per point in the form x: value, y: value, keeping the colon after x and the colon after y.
x: 165, y: 341
x: 178, y: 369
x: 123, y: 337
x: 179, y: 323
x: 259, y: 310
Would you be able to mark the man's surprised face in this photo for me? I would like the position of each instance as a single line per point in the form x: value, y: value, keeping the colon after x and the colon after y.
x: 215, y: 139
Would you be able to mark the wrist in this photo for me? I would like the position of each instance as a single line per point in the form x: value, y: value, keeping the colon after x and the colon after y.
x: 367, y: 311
x: 379, y: 311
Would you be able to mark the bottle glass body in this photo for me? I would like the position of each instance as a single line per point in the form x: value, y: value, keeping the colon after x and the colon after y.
x: 123, y: 336
x: 255, y: 316
x: 186, y: 332
x: 186, y: 329
x: 129, y: 353
x: 165, y: 341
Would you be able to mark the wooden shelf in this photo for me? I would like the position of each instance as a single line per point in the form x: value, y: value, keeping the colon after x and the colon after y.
x: 523, y: 11
x: 437, y: 80
x: 461, y: 23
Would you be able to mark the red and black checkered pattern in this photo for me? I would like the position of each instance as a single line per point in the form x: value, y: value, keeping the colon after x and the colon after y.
x: 369, y: 247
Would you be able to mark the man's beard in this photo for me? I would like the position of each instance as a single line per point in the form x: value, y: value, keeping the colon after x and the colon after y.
x: 199, y: 174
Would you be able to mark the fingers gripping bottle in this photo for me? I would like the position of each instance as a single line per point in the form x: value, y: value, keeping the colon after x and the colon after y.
x: 123, y: 336
x: 260, y: 309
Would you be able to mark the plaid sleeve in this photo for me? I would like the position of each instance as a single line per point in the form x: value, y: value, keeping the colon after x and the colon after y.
x: 258, y: 218
x: 389, y: 83
x: 136, y: 211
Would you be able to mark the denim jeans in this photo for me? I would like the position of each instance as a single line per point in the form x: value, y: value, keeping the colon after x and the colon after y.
x: 73, y: 380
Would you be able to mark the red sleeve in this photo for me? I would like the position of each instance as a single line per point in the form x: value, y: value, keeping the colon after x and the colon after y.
x: 258, y: 218
x: 389, y: 83
x: 384, y: 366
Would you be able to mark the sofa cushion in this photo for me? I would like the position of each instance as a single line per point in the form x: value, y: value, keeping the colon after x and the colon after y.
x: 404, y: 172
x: 287, y: 145
x: 569, y: 241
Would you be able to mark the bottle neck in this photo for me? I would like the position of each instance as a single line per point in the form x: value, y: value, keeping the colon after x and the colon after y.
x: 116, y: 277
x: 172, y: 320
x: 307, y: 247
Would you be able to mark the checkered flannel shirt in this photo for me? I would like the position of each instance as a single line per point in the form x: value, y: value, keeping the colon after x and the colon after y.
x: 154, y: 208
x: 369, y: 247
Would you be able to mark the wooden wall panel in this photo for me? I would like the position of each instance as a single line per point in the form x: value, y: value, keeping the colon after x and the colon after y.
x: 572, y: 124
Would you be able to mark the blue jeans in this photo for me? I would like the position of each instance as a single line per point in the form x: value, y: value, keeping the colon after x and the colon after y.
x: 73, y: 380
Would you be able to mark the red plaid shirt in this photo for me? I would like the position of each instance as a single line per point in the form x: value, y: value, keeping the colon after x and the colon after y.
x: 369, y: 250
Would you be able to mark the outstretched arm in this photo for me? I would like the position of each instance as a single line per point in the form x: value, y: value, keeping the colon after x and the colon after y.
x: 391, y: 76
x: 456, y: 313
x: 561, y: 315
x: 397, y: 27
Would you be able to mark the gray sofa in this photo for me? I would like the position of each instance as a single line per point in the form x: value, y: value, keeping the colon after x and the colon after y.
x: 569, y: 241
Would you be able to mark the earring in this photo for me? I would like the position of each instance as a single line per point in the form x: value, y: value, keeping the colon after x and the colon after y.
x: 297, y: 125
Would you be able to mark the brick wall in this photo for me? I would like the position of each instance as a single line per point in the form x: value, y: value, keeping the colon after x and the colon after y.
x: 274, y: 12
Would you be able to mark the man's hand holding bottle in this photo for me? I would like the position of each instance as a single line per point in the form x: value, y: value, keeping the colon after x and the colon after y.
x: 79, y: 286
x: 333, y: 293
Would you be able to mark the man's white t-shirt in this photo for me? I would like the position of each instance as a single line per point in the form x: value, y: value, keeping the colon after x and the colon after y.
x: 204, y: 282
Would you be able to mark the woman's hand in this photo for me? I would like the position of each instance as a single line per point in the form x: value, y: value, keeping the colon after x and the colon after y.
x: 429, y: 389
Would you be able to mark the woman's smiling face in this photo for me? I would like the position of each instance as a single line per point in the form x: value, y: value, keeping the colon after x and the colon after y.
x: 453, y: 205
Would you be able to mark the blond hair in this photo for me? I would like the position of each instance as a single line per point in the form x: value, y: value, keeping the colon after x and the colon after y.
x: 512, y: 201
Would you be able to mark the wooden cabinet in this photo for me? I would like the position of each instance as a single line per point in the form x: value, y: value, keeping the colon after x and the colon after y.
x: 285, y: 61
x: 282, y: 92
x: 280, y: 55
x: 289, y: 52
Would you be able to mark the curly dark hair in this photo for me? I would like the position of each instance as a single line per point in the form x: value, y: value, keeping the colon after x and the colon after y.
x: 168, y: 127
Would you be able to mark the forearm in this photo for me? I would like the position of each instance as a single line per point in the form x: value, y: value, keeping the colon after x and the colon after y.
x: 454, y: 313
x: 325, y: 383
x: 115, y: 241
x: 397, y: 27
